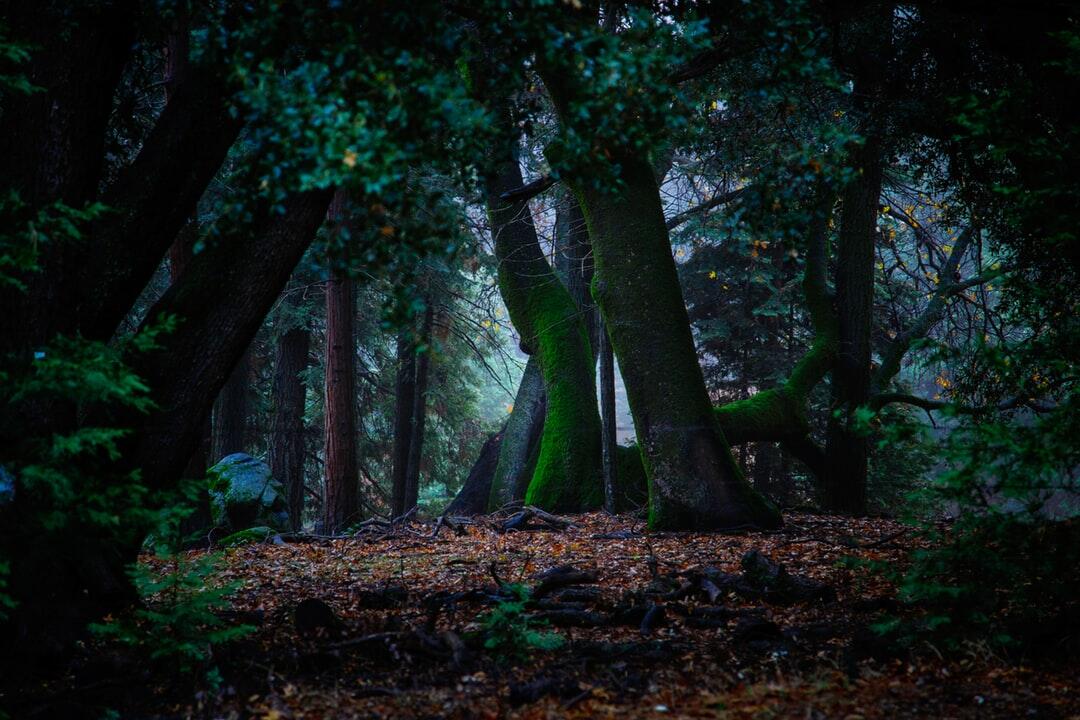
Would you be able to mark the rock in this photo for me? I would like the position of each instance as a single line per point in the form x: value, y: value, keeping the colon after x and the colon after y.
x: 245, y: 537
x: 244, y: 495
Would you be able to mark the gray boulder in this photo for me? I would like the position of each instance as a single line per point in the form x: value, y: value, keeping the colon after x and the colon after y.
x: 243, y: 494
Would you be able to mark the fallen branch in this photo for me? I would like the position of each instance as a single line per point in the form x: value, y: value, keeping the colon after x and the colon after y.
x: 520, y: 520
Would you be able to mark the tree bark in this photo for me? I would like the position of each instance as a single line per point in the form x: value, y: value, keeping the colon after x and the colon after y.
x: 419, y: 411
x: 287, y: 447
x: 472, y: 499
x: 231, y: 411
x: 607, y: 418
x: 404, y: 406
x: 183, y: 153
x: 520, y: 440
x: 573, y: 262
x: 694, y: 482
x: 847, y: 449
x: 567, y: 474
x: 342, y: 500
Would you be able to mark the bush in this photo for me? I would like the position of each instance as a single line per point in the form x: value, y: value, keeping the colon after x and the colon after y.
x: 510, y: 632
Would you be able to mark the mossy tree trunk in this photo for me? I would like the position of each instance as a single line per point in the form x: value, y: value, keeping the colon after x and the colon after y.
x: 779, y: 414
x: 694, y: 482
x: 567, y: 473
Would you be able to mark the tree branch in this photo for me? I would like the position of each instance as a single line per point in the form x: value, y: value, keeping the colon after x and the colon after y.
x: 722, y: 199
x: 529, y: 190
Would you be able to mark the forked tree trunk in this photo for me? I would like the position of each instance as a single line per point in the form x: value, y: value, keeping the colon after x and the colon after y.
x: 567, y: 473
x: 694, y: 482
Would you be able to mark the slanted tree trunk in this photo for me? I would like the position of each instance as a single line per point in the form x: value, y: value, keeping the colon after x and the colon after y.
x: 201, y: 518
x: 62, y: 586
x: 520, y: 440
x: 419, y: 410
x: 694, y: 482
x: 472, y: 499
x: 287, y: 423
x: 404, y: 406
x: 342, y: 500
x: 567, y: 473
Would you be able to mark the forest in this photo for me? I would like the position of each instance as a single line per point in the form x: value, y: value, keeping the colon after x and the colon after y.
x: 539, y: 359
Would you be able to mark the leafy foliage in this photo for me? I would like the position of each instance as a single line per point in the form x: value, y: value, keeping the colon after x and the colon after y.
x: 511, y: 632
x: 179, y: 621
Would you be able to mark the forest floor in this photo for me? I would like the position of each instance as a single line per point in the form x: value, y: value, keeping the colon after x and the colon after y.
x: 663, y: 625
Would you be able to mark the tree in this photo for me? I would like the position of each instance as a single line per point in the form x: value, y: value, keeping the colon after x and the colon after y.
x: 847, y: 447
x: 341, y: 505
x: 231, y: 411
x: 419, y: 409
x: 287, y: 446
x: 566, y: 476
x: 404, y: 407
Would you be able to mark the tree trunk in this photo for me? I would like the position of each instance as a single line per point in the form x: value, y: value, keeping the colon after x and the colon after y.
x: 231, y: 411
x: 52, y: 145
x: 520, y: 440
x: 342, y: 499
x: 404, y: 406
x: 847, y: 449
x: 574, y: 264
x: 867, y: 48
x: 472, y: 499
x: 62, y: 585
x: 607, y: 418
x: 567, y: 474
x: 419, y: 412
x: 287, y: 447
x: 182, y: 154
x: 201, y: 518
x: 694, y: 482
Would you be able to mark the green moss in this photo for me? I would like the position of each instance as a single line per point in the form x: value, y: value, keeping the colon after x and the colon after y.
x: 566, y: 478
x: 567, y: 473
x: 694, y: 482
x: 246, y: 537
